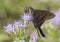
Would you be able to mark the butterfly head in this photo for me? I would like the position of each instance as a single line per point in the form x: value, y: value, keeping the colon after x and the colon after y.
x: 29, y: 10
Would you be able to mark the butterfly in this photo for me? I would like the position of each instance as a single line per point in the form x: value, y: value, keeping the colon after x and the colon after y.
x: 39, y: 17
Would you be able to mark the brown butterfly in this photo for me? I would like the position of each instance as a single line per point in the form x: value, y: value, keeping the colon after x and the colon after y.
x: 39, y: 17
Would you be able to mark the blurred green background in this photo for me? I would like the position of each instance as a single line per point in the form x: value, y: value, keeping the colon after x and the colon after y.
x: 11, y: 10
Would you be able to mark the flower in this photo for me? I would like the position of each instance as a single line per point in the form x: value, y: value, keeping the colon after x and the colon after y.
x: 22, y: 40
x: 9, y: 28
x: 56, y: 20
x: 19, y: 24
x: 27, y: 17
x: 34, y: 37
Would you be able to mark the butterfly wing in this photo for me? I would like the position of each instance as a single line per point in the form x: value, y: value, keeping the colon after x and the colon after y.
x: 39, y: 17
x: 49, y: 15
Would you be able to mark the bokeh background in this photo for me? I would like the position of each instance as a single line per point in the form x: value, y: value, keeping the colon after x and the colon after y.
x: 11, y: 10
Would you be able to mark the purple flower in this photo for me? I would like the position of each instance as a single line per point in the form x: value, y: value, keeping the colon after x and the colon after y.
x: 56, y: 20
x: 22, y: 41
x: 34, y: 37
x: 9, y: 28
x: 27, y: 17
x: 19, y: 24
